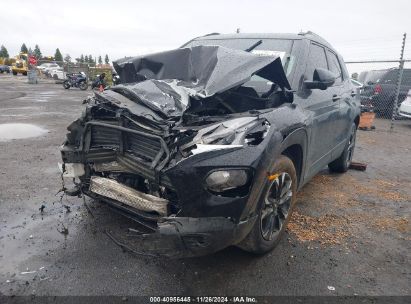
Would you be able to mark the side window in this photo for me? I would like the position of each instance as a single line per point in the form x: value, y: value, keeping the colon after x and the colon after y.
x: 334, y: 66
x: 316, y: 59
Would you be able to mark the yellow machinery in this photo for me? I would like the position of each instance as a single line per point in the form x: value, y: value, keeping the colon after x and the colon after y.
x: 20, y: 66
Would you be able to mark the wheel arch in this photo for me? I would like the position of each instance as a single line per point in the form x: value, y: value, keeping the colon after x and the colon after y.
x: 357, y: 120
x: 294, y: 146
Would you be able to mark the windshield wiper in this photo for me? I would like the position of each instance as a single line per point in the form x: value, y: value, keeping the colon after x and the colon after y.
x: 254, y: 46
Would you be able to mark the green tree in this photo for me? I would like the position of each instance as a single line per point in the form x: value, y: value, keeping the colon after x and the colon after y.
x: 90, y: 59
x: 37, y: 52
x: 86, y: 59
x: 68, y: 58
x: 82, y: 58
x: 100, y: 61
x: 106, y: 60
x: 3, y: 52
x: 23, y: 48
x: 58, y: 56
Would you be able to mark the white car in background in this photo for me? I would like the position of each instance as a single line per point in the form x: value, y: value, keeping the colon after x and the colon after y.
x: 42, y: 67
x: 405, y: 107
x: 58, y: 74
x: 47, y: 71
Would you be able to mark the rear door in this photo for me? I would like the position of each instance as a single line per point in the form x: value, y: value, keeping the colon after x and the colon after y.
x: 324, y: 107
x: 345, y: 91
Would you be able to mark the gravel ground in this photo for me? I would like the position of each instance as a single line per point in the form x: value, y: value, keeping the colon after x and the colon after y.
x: 350, y: 234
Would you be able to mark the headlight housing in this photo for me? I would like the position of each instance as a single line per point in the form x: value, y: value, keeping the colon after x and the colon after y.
x: 231, y: 182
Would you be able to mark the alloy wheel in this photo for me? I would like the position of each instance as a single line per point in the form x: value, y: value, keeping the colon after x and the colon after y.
x: 277, y: 204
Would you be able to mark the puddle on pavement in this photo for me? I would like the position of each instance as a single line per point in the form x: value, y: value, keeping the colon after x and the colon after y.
x: 11, y: 131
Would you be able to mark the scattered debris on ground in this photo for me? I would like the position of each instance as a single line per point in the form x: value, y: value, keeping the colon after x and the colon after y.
x: 327, y: 229
x: 42, y: 207
x: 400, y: 224
x: 63, y: 229
x: 358, y: 166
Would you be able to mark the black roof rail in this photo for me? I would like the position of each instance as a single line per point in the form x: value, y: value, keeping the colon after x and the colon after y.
x: 316, y: 37
x: 210, y: 34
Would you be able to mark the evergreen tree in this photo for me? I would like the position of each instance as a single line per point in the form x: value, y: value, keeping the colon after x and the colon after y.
x: 23, y: 48
x: 58, y: 56
x: 86, y: 59
x: 3, y: 52
x: 82, y: 58
x: 90, y: 59
x: 68, y: 58
x: 37, y: 51
x: 106, y: 60
x: 100, y: 61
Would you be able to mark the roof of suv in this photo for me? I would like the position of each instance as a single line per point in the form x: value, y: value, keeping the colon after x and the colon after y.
x: 306, y: 35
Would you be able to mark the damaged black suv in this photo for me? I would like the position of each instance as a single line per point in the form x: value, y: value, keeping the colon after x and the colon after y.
x: 206, y: 146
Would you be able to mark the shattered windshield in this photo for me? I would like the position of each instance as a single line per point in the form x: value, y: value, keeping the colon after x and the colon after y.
x: 268, y: 47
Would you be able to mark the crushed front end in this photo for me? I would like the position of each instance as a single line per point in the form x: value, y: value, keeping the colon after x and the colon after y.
x: 187, y: 173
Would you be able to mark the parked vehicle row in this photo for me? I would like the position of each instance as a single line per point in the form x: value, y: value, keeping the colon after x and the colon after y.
x: 379, y: 89
x: 5, y: 69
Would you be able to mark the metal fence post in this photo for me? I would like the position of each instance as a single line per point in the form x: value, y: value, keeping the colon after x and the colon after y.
x: 399, y: 79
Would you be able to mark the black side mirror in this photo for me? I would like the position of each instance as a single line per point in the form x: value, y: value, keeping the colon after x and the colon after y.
x: 322, y: 79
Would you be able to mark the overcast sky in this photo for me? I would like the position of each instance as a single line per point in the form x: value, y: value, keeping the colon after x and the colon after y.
x: 357, y: 29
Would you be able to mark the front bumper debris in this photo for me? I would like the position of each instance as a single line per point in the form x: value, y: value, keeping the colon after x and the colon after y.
x: 114, y: 190
x: 178, y: 237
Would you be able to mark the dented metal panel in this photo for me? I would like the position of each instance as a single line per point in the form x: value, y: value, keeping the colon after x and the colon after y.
x: 165, y: 81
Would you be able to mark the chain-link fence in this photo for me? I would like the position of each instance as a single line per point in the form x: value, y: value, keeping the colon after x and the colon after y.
x: 383, y: 86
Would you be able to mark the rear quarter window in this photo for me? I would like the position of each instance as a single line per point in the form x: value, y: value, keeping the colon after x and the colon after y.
x: 335, y: 67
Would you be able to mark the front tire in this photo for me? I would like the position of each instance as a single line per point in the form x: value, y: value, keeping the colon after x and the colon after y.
x: 342, y: 163
x: 275, y: 208
x: 83, y: 85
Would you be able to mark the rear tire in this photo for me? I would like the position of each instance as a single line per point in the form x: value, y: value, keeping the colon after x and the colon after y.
x: 14, y: 73
x: 66, y: 84
x: 342, y: 163
x: 275, y: 208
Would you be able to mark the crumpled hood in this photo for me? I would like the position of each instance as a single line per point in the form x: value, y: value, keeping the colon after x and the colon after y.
x: 172, y: 77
